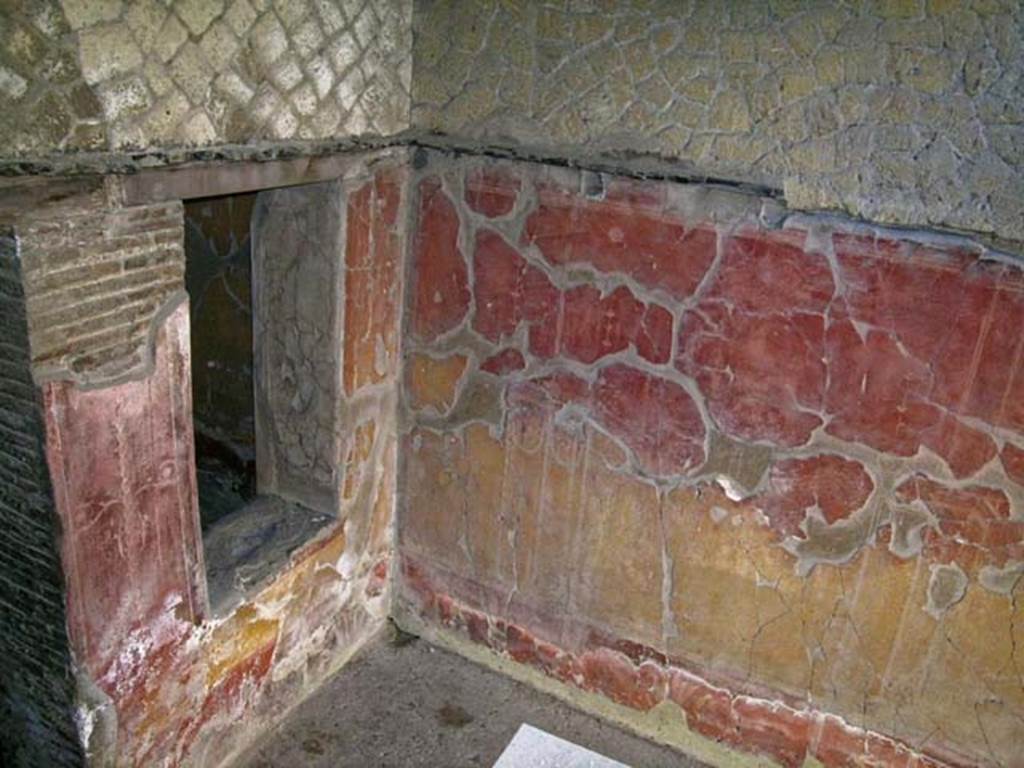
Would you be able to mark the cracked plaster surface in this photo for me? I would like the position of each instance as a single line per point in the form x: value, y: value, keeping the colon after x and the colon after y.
x: 802, y: 537
x: 297, y: 244
x: 899, y: 111
x: 187, y: 687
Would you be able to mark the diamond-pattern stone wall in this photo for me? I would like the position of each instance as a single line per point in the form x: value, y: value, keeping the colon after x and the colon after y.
x: 112, y: 75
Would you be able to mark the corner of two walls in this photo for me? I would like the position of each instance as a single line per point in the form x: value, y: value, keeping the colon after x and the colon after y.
x: 750, y: 482
x: 606, y: 481
x: 781, y: 547
x: 162, y: 682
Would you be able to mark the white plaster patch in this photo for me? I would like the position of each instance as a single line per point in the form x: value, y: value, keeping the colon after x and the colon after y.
x: 533, y: 748
x: 730, y: 487
x: 946, y: 588
x: 85, y: 720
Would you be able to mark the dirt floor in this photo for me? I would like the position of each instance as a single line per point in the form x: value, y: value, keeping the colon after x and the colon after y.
x: 403, y: 703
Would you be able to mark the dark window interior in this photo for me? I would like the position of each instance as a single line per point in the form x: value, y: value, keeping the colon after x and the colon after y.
x: 247, y: 537
x: 219, y: 281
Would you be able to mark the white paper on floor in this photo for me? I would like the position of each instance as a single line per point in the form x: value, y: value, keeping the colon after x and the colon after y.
x: 533, y: 748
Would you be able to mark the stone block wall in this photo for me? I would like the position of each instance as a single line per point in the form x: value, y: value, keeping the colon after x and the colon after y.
x: 37, y: 689
x: 116, y: 75
x: 738, y: 477
x: 900, y: 111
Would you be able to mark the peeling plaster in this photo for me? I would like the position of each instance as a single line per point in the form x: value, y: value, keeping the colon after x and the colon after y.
x: 946, y: 587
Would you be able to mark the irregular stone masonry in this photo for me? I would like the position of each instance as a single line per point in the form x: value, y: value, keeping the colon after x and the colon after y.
x: 899, y: 110
x: 688, y: 419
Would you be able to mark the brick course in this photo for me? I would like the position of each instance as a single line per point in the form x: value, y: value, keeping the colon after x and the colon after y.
x: 36, y: 681
x: 94, y: 281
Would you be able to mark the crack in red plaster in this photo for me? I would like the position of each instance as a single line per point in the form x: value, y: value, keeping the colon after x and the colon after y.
x: 870, y: 372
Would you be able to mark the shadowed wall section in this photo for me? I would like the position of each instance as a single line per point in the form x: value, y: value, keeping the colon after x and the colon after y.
x: 36, y: 678
x: 756, y: 475
x: 219, y: 283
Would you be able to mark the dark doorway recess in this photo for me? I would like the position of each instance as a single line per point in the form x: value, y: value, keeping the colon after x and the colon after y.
x: 218, y: 278
x: 247, y: 537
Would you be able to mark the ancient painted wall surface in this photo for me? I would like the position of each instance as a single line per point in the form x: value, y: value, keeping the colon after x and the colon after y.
x: 36, y: 679
x: 297, y: 273
x: 897, y: 110
x: 757, y: 475
x: 120, y: 74
x: 327, y: 275
x: 121, y: 459
x: 162, y: 682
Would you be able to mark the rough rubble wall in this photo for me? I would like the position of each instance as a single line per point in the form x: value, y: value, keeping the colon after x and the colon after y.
x: 36, y: 680
x: 723, y: 465
x: 115, y: 75
x: 904, y: 111
x: 901, y: 111
x: 162, y: 683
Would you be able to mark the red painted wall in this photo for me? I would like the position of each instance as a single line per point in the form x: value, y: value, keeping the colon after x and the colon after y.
x: 666, y: 452
x: 122, y: 462
x: 188, y: 688
x: 660, y: 443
